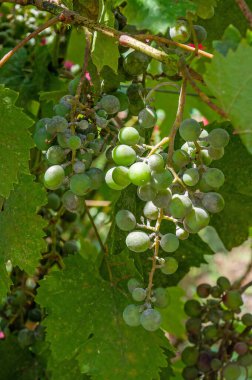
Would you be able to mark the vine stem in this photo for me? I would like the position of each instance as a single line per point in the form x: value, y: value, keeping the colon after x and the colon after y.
x: 155, y: 256
x: 245, y: 10
x: 46, y: 25
x: 245, y: 287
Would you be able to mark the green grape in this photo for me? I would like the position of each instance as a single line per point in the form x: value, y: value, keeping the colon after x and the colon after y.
x: 218, y: 138
x: 246, y: 359
x: 203, y: 290
x: 67, y: 100
x: 136, y: 63
x: 80, y: 184
x: 180, y: 206
x: 35, y: 315
x: 121, y: 176
x: 156, y: 162
x: 193, y: 308
x: 83, y: 125
x: 216, y: 153
x: 180, y: 158
x: 139, y: 294
x: 70, y: 201
x: 53, y: 201
x: 162, y: 180
x: 151, y: 319
x: 128, y: 136
x: 197, y: 219
x: 213, y: 202
x: 79, y: 167
x: 139, y: 174
x: 169, y: 242
x: 61, y: 110
x: 135, y: 93
x: 71, y: 247
x: 123, y: 99
x: 241, y: 348
x: 96, y: 176
x: 150, y: 211
x: 54, y: 176
x: 55, y: 155
x: 124, y: 155
x: 232, y: 299
x: 210, y: 332
x: 189, y: 130
x: 190, y: 373
x: 146, y: 192
x: 181, y: 233
x: 125, y: 220
x: 101, y: 122
x: 41, y: 137
x: 110, y: 104
x: 216, y: 364
x: 110, y: 182
x: 25, y: 338
x: 110, y: 80
x: 205, y: 157
x: 214, y: 316
x: 247, y: 319
x: 57, y: 124
x: 138, y: 241
x: 193, y: 325
x: 62, y: 139
x: 180, y: 32
x: 231, y: 371
x: 147, y: 118
x: 170, y: 266
x: 132, y: 284
x: 74, y: 142
x: 224, y: 283
x: 162, y: 198
x: 203, y: 186
x: 214, y: 178
x: 131, y: 315
x: 191, y: 176
x: 160, y: 298
x: 201, y: 33
x: 190, y: 355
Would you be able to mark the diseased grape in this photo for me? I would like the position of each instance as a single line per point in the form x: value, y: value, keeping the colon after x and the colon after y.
x: 193, y: 308
x: 213, y: 202
x: 71, y: 201
x: 74, y: 142
x: 232, y: 299
x: 180, y: 206
x: 96, y: 176
x: 110, y: 104
x: 136, y: 63
x: 216, y: 153
x: 180, y: 158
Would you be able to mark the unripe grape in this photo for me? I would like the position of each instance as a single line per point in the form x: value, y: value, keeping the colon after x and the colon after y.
x: 110, y: 181
x: 210, y: 332
x: 216, y: 364
x: 214, y: 315
x: 71, y: 201
x: 189, y: 130
x: 146, y: 192
x: 216, y: 291
x: 181, y: 233
x: 190, y: 373
x: 191, y: 176
x: 74, y: 142
x: 201, y: 33
x: 170, y: 266
x: 197, y: 219
x: 139, y: 294
x: 203, y: 186
x: 193, y: 325
x: 136, y: 63
x: 57, y: 124
x: 55, y: 155
x: 169, y: 242
x: 54, y: 177
x: 96, y: 176
x: 193, y: 308
x: 53, y: 201
x: 132, y: 284
x: 204, y: 361
x: 62, y: 139
x: 162, y: 198
x: 216, y: 153
x: 224, y: 283
x: 147, y: 118
x: 232, y: 299
x: 213, y: 202
x: 61, y: 110
x: 247, y: 319
x: 190, y: 356
x: 205, y: 157
x: 83, y: 125
x: 110, y: 104
x: 180, y: 206
x: 150, y: 211
x: 232, y: 371
x: 120, y: 176
x: 180, y: 32
x: 227, y: 315
x: 180, y: 158
x: 138, y: 241
x: 246, y: 359
x: 125, y: 220
x: 161, y: 298
x: 131, y: 315
x: 128, y: 136
x: 150, y: 319
x: 139, y: 174
x: 123, y: 99
x: 124, y: 155
x: 241, y: 348
x: 218, y: 138
x: 80, y: 184
x: 203, y: 290
x: 156, y: 162
x: 162, y: 180
x: 214, y: 177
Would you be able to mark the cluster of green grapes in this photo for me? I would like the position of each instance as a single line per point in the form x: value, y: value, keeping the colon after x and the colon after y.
x: 185, y: 189
x: 221, y: 338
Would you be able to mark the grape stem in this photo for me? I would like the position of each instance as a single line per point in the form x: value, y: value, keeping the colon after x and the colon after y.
x: 164, y: 141
x: 245, y: 287
x: 155, y: 256
x: 245, y: 10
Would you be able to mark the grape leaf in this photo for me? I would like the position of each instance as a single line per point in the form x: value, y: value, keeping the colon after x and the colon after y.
x: 230, y: 80
x: 205, y: 8
x: 15, y: 143
x: 93, y: 330
x: 105, y: 49
x: 21, y: 229
x: 65, y: 370
x: 230, y: 40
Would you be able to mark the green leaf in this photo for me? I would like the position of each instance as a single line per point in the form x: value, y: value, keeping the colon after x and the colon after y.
x: 156, y: 15
x: 230, y: 80
x: 21, y: 238
x: 65, y: 370
x: 230, y: 40
x: 205, y: 9
x: 105, y: 49
x: 15, y: 142
x: 93, y: 330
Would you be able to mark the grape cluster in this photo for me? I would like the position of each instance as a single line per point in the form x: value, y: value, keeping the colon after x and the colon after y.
x: 220, y: 337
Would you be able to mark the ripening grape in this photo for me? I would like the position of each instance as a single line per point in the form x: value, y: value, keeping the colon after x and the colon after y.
x: 150, y: 319
x: 156, y: 162
x: 246, y: 359
x: 128, y: 136
x: 224, y: 283
x: 53, y: 201
x: 136, y: 63
x: 80, y: 184
x: 232, y: 371
x: 193, y: 308
x: 139, y: 173
x: 247, y: 319
x: 150, y: 211
x: 216, y: 153
x: 216, y: 292
x: 180, y: 158
x: 218, y: 138
x: 121, y: 176
x: 191, y: 176
x: 180, y: 206
x: 74, y: 142
x: 169, y: 242
x: 131, y: 315
x: 162, y: 180
x: 204, y: 361
x: 160, y: 297
x: 139, y: 294
x: 125, y: 220
x: 201, y: 33
x: 146, y: 192
x: 190, y: 356
x: 55, y: 155
x: 189, y: 130
x: 181, y: 233
x: 132, y: 284
x: 162, y: 198
x: 180, y: 32
x: 110, y: 181
x: 213, y: 202
x: 214, y: 177
x: 203, y: 290
x: 71, y: 201
x: 196, y: 219
x: 147, y: 118
x: 138, y: 241
x: 170, y: 266
x: 241, y: 348
x: 124, y: 155
x: 54, y: 177
x: 232, y: 299
x: 96, y: 176
x: 110, y: 104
